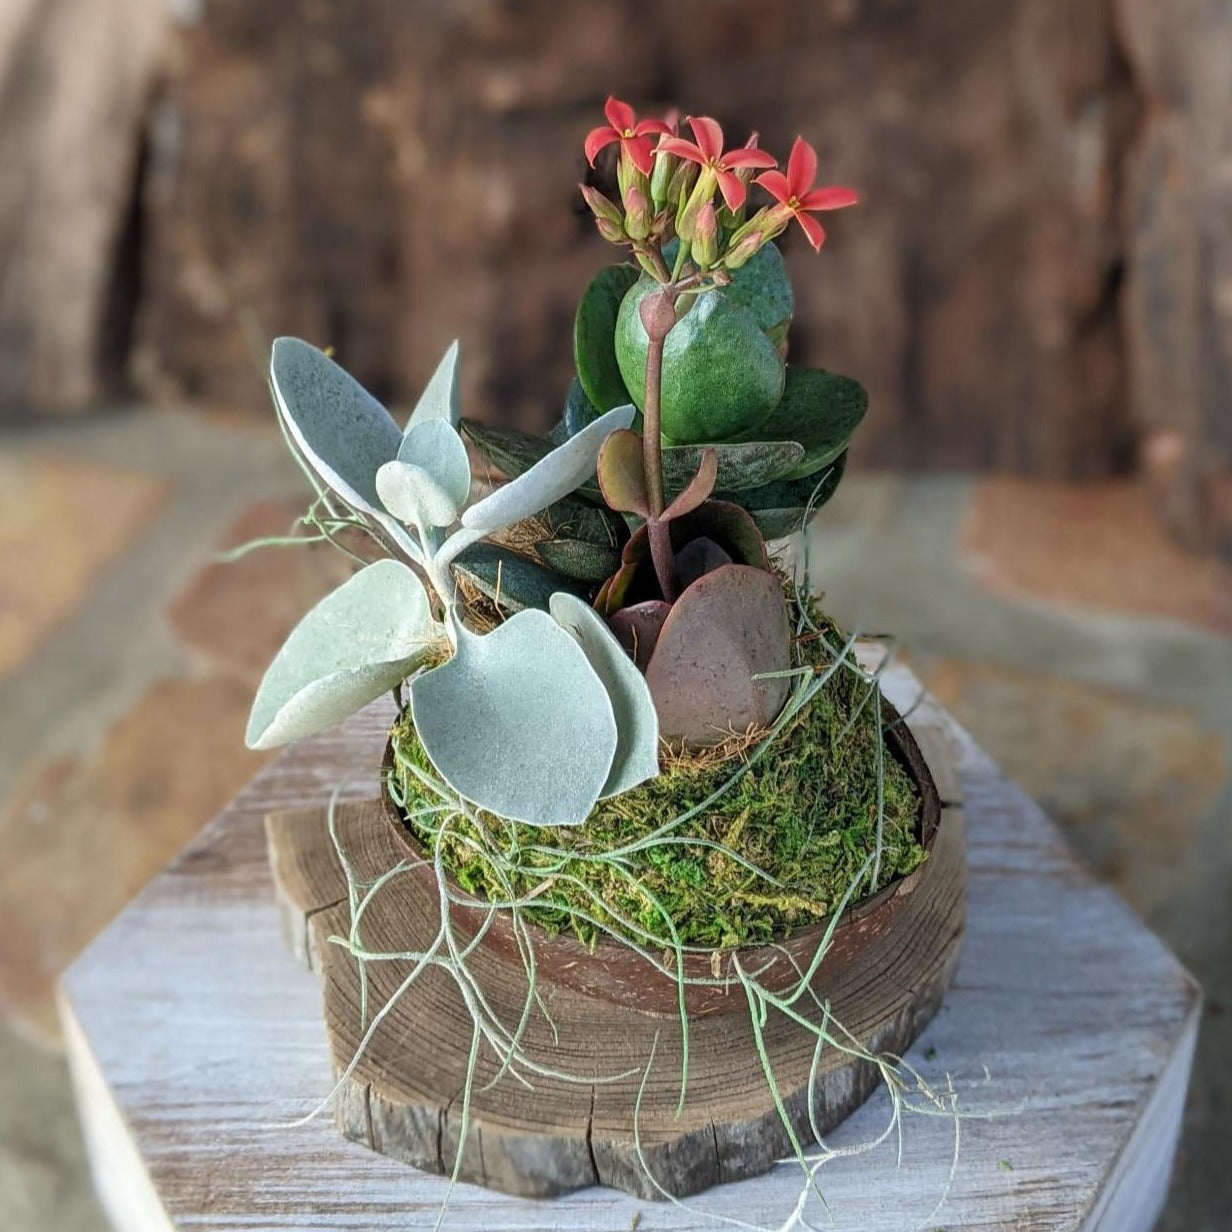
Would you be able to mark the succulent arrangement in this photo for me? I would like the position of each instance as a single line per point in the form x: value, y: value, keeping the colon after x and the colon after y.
x: 616, y: 594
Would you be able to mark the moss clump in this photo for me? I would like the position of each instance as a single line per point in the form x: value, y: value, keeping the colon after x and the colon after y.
x: 805, y: 813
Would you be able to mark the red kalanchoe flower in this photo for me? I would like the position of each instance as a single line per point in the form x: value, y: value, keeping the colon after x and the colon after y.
x: 708, y: 154
x: 796, y: 195
x: 633, y: 134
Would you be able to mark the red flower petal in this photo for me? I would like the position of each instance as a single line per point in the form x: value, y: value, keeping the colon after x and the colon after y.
x: 709, y: 136
x: 731, y: 187
x: 801, y: 167
x: 775, y: 183
x: 747, y: 157
x: 812, y: 228
x: 596, y: 139
x: 646, y: 127
x: 682, y: 149
x: 619, y: 115
x: 829, y: 199
x: 640, y: 152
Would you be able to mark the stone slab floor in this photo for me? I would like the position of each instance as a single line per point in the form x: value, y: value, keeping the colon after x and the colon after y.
x: 1088, y: 655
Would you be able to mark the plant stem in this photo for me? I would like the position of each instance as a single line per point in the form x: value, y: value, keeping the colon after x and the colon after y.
x: 658, y: 315
x: 652, y: 451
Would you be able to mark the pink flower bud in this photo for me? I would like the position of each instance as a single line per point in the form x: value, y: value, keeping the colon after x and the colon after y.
x: 706, y: 237
x: 742, y: 250
x: 639, y: 219
x: 703, y: 193
x: 608, y: 217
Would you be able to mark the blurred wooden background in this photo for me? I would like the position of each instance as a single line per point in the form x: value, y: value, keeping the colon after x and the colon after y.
x: 1040, y: 279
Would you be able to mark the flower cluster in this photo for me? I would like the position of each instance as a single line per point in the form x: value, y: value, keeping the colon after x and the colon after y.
x: 696, y: 192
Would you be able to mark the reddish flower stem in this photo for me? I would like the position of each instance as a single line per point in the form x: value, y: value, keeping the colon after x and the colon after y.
x: 658, y: 314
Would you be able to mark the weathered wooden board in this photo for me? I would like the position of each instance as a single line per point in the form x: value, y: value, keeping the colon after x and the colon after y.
x: 189, y: 1028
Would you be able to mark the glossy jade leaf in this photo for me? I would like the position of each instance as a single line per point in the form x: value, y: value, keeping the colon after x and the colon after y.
x: 555, y: 476
x: 744, y: 464
x: 594, y: 333
x: 518, y: 722
x: 724, y: 523
x: 343, y: 433
x: 354, y: 645
x: 512, y: 581
x: 728, y: 628
x: 429, y: 482
x: 637, y: 723
x: 440, y: 398
x: 761, y: 285
x: 721, y: 375
x: 579, y: 411
x: 819, y: 409
x: 779, y: 509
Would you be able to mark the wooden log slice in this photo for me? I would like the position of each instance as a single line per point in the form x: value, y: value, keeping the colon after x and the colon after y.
x: 619, y: 1039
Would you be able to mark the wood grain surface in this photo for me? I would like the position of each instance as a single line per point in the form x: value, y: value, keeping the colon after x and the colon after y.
x: 1068, y: 1031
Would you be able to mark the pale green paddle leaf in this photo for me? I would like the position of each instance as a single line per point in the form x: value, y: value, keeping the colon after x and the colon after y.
x: 518, y: 722
x: 354, y: 645
x: 553, y: 477
x: 637, y: 722
x: 344, y: 434
x: 440, y: 398
x: 429, y: 482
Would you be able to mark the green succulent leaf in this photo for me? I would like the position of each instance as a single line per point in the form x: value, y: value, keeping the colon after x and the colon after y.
x: 579, y: 409
x: 509, y: 450
x: 637, y: 724
x: 594, y: 332
x: 819, y: 409
x: 343, y: 433
x: 518, y: 722
x: 779, y: 508
x: 578, y: 560
x: 574, y: 518
x: 554, y: 476
x: 745, y: 464
x: 440, y: 398
x: 762, y: 287
x: 512, y: 581
x: 722, y: 376
x: 354, y: 645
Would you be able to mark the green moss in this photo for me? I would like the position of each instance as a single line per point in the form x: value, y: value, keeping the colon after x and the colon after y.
x: 806, y: 814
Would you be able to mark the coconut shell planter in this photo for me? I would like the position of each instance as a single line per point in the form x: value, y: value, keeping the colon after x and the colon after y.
x: 658, y: 887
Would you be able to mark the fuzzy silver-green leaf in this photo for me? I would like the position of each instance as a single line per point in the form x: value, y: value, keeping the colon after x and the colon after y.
x: 354, y: 645
x: 637, y: 722
x: 518, y: 722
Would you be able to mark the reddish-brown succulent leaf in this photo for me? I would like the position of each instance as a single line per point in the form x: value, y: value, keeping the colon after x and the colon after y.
x: 637, y: 628
x: 697, y: 558
x: 729, y: 525
x: 622, y: 473
x: 727, y: 628
x: 725, y: 524
x: 698, y: 488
